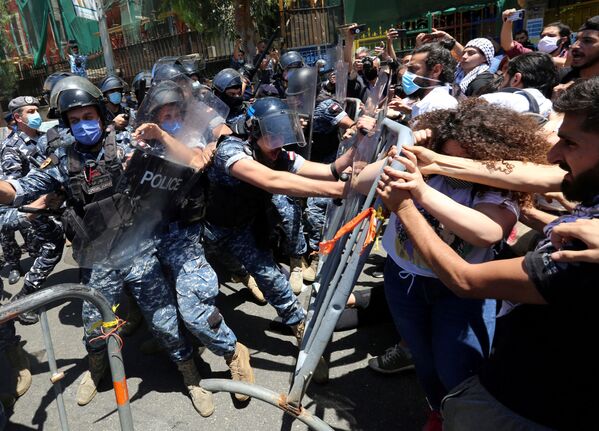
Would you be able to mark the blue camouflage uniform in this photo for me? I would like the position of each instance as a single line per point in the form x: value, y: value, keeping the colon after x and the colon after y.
x: 19, y: 155
x: 10, y: 219
x: 142, y: 274
x: 196, y: 284
x: 290, y: 213
x: 235, y: 208
x: 325, y: 143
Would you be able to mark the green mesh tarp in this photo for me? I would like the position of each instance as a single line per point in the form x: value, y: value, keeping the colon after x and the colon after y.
x: 35, y: 19
x: 84, y: 31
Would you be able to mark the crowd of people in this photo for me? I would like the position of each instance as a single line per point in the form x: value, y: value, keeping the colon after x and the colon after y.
x: 156, y: 184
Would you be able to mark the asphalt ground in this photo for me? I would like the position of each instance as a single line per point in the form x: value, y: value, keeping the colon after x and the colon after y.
x: 356, y: 398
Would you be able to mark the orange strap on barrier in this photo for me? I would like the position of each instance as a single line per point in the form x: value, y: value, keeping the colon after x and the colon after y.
x: 327, y: 246
x: 121, y: 392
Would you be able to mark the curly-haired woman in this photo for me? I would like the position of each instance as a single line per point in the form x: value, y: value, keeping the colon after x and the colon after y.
x: 449, y: 337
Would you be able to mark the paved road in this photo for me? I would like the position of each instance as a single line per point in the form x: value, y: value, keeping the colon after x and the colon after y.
x: 356, y: 398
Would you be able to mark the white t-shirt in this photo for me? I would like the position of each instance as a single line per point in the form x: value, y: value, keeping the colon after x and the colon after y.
x: 438, y: 98
x: 401, y: 249
x: 518, y: 102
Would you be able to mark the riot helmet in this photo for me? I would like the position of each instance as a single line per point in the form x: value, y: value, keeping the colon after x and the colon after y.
x: 112, y: 88
x: 164, y: 104
x: 270, y: 118
x: 193, y: 67
x: 225, y: 80
x: 300, y: 80
x: 291, y: 59
x: 141, y: 84
x: 165, y: 71
x: 49, y: 84
x: 73, y: 92
x: 76, y: 92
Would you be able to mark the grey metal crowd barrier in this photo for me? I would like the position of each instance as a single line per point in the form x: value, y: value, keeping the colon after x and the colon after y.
x: 337, y: 275
x: 52, y: 294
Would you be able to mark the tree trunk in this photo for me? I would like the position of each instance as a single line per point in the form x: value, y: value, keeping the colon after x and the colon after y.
x: 245, y: 25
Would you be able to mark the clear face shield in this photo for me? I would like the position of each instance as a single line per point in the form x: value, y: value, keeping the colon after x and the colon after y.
x: 281, y: 129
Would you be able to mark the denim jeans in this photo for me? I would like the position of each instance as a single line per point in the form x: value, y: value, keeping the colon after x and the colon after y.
x: 449, y: 337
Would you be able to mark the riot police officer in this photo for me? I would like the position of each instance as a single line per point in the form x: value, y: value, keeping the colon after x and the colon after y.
x: 180, y: 249
x: 141, y: 84
x: 112, y: 88
x: 227, y: 86
x: 91, y: 173
x: 20, y: 154
x: 243, y: 177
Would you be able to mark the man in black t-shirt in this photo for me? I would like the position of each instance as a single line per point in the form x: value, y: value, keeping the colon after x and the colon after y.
x: 542, y: 372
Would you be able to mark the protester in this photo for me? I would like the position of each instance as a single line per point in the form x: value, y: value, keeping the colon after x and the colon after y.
x: 513, y: 391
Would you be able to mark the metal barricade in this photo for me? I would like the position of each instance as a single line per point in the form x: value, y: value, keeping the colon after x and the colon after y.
x: 336, y: 278
x: 39, y: 300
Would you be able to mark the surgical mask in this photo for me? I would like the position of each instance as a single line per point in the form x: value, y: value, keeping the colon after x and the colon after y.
x: 408, y: 84
x: 115, y: 98
x: 87, y: 132
x: 171, y: 127
x: 548, y: 44
x: 34, y: 120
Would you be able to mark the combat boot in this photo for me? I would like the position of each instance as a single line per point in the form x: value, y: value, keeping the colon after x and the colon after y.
x: 200, y: 397
x: 88, y: 388
x: 250, y: 283
x: 27, y: 317
x: 134, y: 319
x: 17, y: 357
x: 310, y: 271
x: 321, y: 373
x: 241, y: 370
x: 296, y: 278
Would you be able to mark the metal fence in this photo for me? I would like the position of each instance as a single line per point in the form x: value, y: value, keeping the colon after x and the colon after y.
x: 311, y: 26
x: 136, y: 57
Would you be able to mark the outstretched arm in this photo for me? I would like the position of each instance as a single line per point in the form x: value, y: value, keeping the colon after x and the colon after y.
x: 501, y: 279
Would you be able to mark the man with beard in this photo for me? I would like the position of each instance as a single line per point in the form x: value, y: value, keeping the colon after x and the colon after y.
x: 429, y: 72
x: 584, y: 52
x: 524, y: 384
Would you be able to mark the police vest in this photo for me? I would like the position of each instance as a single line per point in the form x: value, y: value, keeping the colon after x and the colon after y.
x: 234, y: 206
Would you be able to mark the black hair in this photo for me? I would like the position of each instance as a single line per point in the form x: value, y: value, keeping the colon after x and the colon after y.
x: 437, y: 54
x: 521, y: 32
x: 537, y: 69
x: 564, y: 31
x: 582, y: 98
x: 590, y: 24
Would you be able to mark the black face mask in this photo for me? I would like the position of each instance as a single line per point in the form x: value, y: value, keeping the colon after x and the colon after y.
x: 232, y: 101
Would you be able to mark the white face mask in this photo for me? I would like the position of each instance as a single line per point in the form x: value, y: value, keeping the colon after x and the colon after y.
x: 548, y: 44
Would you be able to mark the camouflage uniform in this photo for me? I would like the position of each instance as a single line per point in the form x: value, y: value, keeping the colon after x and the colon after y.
x: 19, y: 155
x: 291, y: 221
x: 11, y: 219
x: 196, y: 285
x: 230, y: 219
x: 327, y: 115
x: 143, y: 276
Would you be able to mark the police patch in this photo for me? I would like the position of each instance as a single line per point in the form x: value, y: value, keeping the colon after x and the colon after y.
x: 48, y: 162
x: 335, y: 108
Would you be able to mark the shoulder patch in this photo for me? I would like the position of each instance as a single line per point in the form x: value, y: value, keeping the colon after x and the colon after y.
x: 335, y: 108
x: 50, y: 161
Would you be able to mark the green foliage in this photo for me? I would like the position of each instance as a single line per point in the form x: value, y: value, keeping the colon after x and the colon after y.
x: 8, y: 72
x: 218, y: 16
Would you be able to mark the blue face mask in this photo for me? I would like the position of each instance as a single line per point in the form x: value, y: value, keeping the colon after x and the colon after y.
x: 115, y: 98
x: 87, y: 132
x: 408, y: 84
x: 171, y: 127
x: 34, y: 120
